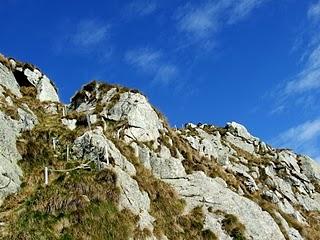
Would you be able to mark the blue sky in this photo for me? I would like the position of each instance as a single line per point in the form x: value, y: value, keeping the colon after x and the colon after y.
x: 256, y: 62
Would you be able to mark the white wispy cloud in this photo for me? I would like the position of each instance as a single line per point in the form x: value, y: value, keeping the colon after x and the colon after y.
x: 204, y: 20
x: 89, y: 33
x: 165, y: 73
x: 140, y: 8
x: 243, y: 8
x: 314, y: 11
x: 303, y: 138
x: 306, y: 83
x: 144, y: 58
x: 152, y: 62
x: 309, y: 77
x: 89, y: 36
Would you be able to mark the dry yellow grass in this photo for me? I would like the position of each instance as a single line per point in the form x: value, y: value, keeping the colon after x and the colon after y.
x: 5, y: 61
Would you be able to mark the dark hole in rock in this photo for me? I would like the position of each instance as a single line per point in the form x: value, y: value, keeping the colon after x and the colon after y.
x: 22, y: 79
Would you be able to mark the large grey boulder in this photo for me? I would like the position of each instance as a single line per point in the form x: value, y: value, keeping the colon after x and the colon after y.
x: 310, y: 168
x: 8, y: 80
x: 10, y: 129
x: 143, y: 122
x: 199, y: 190
x: 46, y: 91
x: 133, y: 199
x: 162, y: 165
x: 239, y: 130
x: 93, y: 145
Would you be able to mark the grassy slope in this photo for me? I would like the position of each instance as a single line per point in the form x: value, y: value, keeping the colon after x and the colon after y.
x: 83, y: 204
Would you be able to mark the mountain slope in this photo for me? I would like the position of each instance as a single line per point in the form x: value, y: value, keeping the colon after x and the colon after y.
x: 117, y: 170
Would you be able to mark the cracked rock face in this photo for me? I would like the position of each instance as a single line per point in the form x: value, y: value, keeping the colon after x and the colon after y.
x: 46, y: 91
x: 93, y: 145
x: 8, y: 80
x: 260, y: 186
x: 143, y: 121
x: 10, y: 129
x: 199, y: 190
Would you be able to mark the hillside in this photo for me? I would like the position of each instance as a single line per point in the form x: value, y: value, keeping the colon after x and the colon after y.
x: 117, y: 170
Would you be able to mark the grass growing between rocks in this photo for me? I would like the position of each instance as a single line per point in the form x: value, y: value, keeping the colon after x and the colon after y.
x: 233, y: 227
x: 78, y: 204
x: 5, y: 61
x: 307, y: 231
x: 10, y: 111
x: 193, y: 161
x: 168, y: 210
x: 166, y: 207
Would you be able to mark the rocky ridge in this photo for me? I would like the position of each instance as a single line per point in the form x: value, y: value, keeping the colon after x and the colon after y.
x: 197, y: 182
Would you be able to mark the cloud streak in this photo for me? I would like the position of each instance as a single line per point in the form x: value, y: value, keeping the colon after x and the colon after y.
x: 304, y: 138
x: 314, y: 12
x: 303, y: 91
x: 89, y: 33
x: 309, y: 77
x: 203, y: 21
x: 89, y: 37
x: 140, y: 8
x: 152, y: 62
x: 305, y: 85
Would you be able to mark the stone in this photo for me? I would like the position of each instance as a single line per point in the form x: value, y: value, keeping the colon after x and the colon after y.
x: 292, y: 232
x: 69, y: 123
x: 93, y: 119
x: 32, y: 75
x: 13, y: 63
x: 108, y: 96
x: 308, y: 203
x: 10, y: 171
x: 8, y: 80
x: 46, y: 91
x: 93, y: 145
x: 284, y: 188
x: 271, y: 196
x: 133, y: 199
x: 289, y: 159
x: 167, y: 168
x: 309, y: 168
x: 199, y: 190
x: 239, y: 130
x: 143, y: 122
x: 51, y: 108
x: 240, y: 143
x: 214, y: 223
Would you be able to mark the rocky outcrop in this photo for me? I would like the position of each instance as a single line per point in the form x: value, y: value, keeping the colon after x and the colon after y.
x: 199, y: 190
x: 94, y: 146
x: 10, y: 129
x: 17, y: 74
x: 224, y: 171
x: 143, y: 122
x: 8, y: 80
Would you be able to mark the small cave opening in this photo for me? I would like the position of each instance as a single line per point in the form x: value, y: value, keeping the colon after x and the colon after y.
x: 22, y: 79
x: 26, y: 88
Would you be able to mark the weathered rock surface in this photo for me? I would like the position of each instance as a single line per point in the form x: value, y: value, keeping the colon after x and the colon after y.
x: 10, y: 172
x: 199, y: 190
x: 224, y: 170
x: 46, y: 91
x: 93, y: 145
x: 8, y: 80
x: 143, y: 121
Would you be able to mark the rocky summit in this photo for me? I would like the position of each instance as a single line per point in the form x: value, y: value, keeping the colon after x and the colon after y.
x: 109, y: 166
